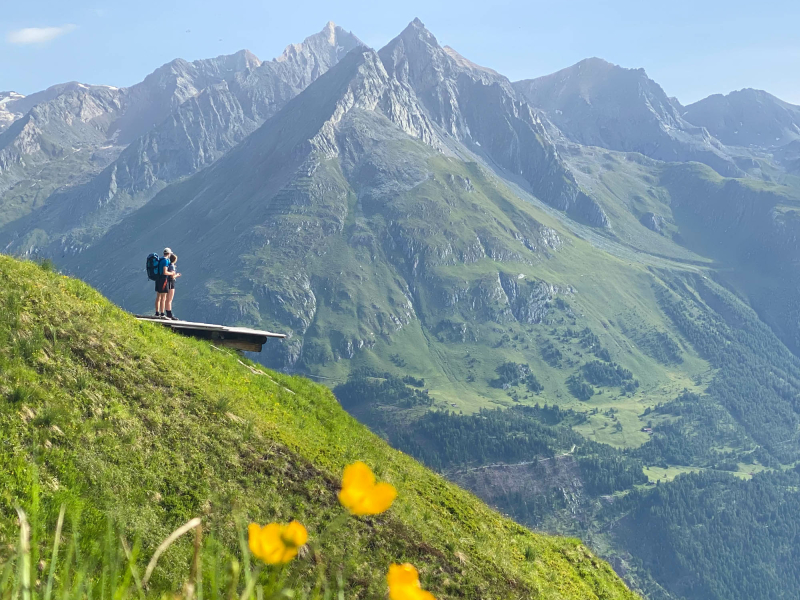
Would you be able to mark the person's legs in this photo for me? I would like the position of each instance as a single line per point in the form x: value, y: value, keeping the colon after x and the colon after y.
x: 170, y: 296
x: 159, y: 296
x: 162, y: 301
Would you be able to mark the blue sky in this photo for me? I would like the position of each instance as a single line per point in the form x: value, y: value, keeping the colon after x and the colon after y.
x: 692, y: 48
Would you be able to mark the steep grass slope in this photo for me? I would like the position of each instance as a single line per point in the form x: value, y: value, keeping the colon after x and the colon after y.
x: 125, y: 421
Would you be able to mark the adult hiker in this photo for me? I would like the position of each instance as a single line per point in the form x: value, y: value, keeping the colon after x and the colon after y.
x: 173, y: 275
x: 162, y: 283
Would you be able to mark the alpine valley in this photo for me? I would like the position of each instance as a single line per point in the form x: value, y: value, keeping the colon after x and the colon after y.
x: 570, y: 295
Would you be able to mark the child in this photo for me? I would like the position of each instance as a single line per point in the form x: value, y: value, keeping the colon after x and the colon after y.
x: 173, y: 275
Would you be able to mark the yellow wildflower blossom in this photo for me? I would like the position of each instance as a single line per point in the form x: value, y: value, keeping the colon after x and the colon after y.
x: 276, y: 544
x: 361, y: 495
x: 404, y: 584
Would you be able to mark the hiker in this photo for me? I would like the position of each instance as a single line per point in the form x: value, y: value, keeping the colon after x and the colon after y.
x: 162, y: 283
x: 173, y: 275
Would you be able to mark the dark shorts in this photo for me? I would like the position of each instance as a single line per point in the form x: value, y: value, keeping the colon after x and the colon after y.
x: 162, y: 285
x: 170, y: 284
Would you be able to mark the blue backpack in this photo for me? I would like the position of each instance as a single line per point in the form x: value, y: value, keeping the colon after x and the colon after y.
x: 152, y: 266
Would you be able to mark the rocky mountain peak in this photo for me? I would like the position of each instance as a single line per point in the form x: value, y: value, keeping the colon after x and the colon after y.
x: 330, y: 29
x: 456, y: 95
x: 330, y: 44
x: 597, y: 103
x: 595, y: 80
x: 747, y: 117
x: 244, y: 59
x: 413, y: 52
x: 594, y: 62
x: 417, y: 29
x: 465, y: 63
x: 9, y: 96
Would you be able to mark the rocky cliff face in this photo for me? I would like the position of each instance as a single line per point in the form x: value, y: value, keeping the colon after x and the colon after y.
x: 95, y: 123
x: 74, y: 120
x: 200, y: 111
x: 596, y: 103
x: 150, y: 102
x: 8, y: 111
x: 73, y: 115
x: 747, y: 118
x: 479, y: 108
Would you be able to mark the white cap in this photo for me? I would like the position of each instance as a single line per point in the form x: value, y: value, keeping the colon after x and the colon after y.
x: 167, y: 251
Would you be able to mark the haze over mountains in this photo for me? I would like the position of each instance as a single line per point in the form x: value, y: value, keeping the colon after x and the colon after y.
x: 595, y: 103
x: 406, y: 215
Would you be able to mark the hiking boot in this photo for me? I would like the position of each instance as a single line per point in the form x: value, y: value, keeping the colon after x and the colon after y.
x: 174, y: 318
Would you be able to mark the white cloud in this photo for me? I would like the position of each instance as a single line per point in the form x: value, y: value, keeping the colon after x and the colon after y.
x: 37, y: 35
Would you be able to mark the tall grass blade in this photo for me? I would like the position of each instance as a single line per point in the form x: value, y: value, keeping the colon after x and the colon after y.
x: 132, y: 567
x: 245, y: 554
x: 110, y: 563
x: 54, y: 558
x: 233, y: 583
x: 196, y: 576
x: 166, y: 544
x: 8, y: 569
x: 24, y: 554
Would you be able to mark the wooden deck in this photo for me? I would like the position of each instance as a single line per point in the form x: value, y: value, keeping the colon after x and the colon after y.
x: 240, y: 338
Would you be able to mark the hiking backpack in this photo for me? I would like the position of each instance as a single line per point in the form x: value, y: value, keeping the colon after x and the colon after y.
x: 152, y: 266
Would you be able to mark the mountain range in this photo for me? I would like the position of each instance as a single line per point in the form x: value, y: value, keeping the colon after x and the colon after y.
x: 438, y: 241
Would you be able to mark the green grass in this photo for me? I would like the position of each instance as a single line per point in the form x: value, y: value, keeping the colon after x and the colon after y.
x: 670, y: 473
x: 358, y: 272
x: 132, y: 427
x: 612, y: 296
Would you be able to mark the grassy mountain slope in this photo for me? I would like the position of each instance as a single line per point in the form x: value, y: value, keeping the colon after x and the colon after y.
x: 124, y: 419
x: 373, y: 250
x: 742, y: 230
x: 715, y: 513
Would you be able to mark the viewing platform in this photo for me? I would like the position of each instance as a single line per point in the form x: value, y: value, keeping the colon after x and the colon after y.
x: 240, y: 338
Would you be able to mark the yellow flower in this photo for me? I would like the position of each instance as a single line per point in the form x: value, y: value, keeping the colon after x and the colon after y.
x: 404, y: 584
x: 276, y: 544
x: 361, y: 495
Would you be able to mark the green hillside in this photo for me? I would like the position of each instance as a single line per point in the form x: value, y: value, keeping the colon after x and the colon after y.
x: 744, y: 230
x: 444, y: 276
x: 133, y: 427
x: 701, y: 510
